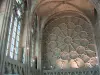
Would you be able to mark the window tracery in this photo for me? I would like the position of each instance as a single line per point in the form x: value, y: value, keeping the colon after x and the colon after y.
x: 14, y: 29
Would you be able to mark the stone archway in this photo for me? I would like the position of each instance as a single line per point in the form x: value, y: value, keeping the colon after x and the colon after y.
x: 96, y: 27
x: 68, y: 39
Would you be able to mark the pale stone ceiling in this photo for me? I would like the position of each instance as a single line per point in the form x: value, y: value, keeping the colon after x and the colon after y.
x: 48, y: 6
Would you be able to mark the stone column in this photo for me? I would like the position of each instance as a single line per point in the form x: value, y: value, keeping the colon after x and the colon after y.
x: 96, y: 3
x: 4, y: 31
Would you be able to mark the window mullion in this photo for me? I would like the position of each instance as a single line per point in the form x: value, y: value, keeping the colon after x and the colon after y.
x: 15, y: 40
x: 11, y: 36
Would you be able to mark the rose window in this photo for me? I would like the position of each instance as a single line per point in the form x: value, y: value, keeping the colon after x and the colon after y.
x: 68, y: 42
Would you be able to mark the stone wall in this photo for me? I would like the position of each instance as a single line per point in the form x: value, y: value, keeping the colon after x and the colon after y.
x: 2, y: 11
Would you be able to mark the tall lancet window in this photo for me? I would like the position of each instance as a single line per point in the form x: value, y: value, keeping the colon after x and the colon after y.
x: 14, y: 29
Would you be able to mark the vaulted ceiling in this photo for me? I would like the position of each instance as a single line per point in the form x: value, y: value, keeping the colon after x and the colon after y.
x: 49, y: 7
x: 46, y: 7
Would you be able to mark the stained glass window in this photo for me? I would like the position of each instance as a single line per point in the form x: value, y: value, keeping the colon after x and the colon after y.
x: 14, y: 30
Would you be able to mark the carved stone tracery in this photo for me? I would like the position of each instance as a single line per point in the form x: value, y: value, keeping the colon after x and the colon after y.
x: 66, y: 40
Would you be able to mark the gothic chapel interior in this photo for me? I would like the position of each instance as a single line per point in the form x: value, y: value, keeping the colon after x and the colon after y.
x: 49, y: 37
